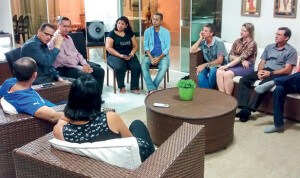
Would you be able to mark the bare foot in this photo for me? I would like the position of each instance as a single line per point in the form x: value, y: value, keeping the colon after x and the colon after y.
x: 122, y: 90
x: 135, y: 91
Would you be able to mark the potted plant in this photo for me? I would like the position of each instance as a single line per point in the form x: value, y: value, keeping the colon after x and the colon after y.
x: 186, y: 89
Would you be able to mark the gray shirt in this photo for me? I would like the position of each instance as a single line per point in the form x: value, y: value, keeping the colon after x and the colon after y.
x: 217, y: 48
x: 277, y: 59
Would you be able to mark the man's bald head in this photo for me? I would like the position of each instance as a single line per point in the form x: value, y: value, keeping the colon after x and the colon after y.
x: 24, y: 68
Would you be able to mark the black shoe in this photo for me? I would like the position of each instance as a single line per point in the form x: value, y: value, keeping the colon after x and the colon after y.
x: 244, y: 119
x: 239, y: 114
x: 244, y: 112
x: 102, y: 102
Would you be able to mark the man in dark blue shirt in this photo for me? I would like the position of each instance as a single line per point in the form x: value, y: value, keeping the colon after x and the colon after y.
x: 37, y: 49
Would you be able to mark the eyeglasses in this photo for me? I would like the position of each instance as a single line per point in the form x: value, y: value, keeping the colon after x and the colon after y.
x: 48, y: 34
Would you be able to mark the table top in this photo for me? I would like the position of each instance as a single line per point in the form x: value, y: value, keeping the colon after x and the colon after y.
x: 206, y: 103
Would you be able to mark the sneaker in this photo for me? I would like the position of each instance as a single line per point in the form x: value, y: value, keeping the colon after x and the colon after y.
x: 272, y: 129
x: 105, y: 110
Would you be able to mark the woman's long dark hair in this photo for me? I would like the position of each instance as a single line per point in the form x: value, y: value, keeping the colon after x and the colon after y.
x: 124, y: 19
x: 84, y: 101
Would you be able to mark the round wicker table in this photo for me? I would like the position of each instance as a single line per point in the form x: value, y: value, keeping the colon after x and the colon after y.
x: 211, y: 108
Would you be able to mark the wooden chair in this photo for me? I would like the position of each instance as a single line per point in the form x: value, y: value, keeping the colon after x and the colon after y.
x: 114, y: 77
x: 15, y: 26
x: 19, y: 27
x: 114, y: 73
x: 23, y: 29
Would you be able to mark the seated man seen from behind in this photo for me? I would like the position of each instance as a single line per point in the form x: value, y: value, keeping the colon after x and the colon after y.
x: 69, y: 62
x: 277, y: 59
x: 18, y: 96
x: 214, y: 53
x: 37, y: 49
x: 86, y: 122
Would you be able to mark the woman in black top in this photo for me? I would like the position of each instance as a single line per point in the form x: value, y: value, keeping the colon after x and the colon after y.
x: 122, y: 46
x: 85, y: 122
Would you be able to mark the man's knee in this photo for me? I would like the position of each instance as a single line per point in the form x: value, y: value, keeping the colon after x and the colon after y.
x: 145, y: 64
x: 279, y: 89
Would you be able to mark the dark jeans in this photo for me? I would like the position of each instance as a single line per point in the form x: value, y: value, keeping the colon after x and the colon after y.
x: 75, y: 73
x: 120, y: 66
x: 43, y: 79
x: 139, y: 130
x: 284, y: 85
x: 244, y: 89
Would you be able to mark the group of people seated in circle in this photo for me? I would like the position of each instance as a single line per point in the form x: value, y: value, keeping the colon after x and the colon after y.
x: 277, y: 63
x: 51, y: 55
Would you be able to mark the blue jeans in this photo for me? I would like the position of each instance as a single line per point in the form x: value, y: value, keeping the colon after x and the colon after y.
x: 162, y: 69
x: 207, y: 78
x: 284, y: 85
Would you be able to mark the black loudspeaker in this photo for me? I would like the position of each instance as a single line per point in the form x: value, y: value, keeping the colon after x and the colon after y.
x: 95, y: 33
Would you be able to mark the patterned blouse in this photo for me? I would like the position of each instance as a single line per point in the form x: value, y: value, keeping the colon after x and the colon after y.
x: 98, y: 130
x: 246, y: 50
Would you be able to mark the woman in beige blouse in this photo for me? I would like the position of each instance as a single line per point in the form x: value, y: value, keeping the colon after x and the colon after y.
x: 242, y: 58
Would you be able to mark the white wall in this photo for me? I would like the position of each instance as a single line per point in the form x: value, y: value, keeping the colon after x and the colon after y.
x: 6, y: 17
x: 265, y: 25
x: 103, y: 10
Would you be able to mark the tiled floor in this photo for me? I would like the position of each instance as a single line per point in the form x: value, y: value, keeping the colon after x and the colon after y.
x: 128, y: 101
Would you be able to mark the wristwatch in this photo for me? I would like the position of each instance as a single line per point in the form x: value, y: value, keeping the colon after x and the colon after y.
x: 271, y: 73
x: 207, y: 65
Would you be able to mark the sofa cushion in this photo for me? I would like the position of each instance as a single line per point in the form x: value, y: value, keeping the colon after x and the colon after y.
x: 294, y: 95
x: 123, y: 152
x: 7, y: 107
x: 258, y: 58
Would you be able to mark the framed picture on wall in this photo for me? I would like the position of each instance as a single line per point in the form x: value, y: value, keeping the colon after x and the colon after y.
x: 251, y: 8
x: 285, y: 8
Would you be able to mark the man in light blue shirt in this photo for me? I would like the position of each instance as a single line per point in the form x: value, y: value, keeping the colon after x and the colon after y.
x: 214, y: 53
x: 157, y: 42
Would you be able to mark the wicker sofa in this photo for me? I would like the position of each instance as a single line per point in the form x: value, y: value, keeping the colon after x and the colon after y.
x: 15, y: 131
x: 292, y: 101
x: 182, y: 155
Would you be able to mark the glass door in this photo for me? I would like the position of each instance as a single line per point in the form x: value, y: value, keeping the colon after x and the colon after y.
x: 185, y: 31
